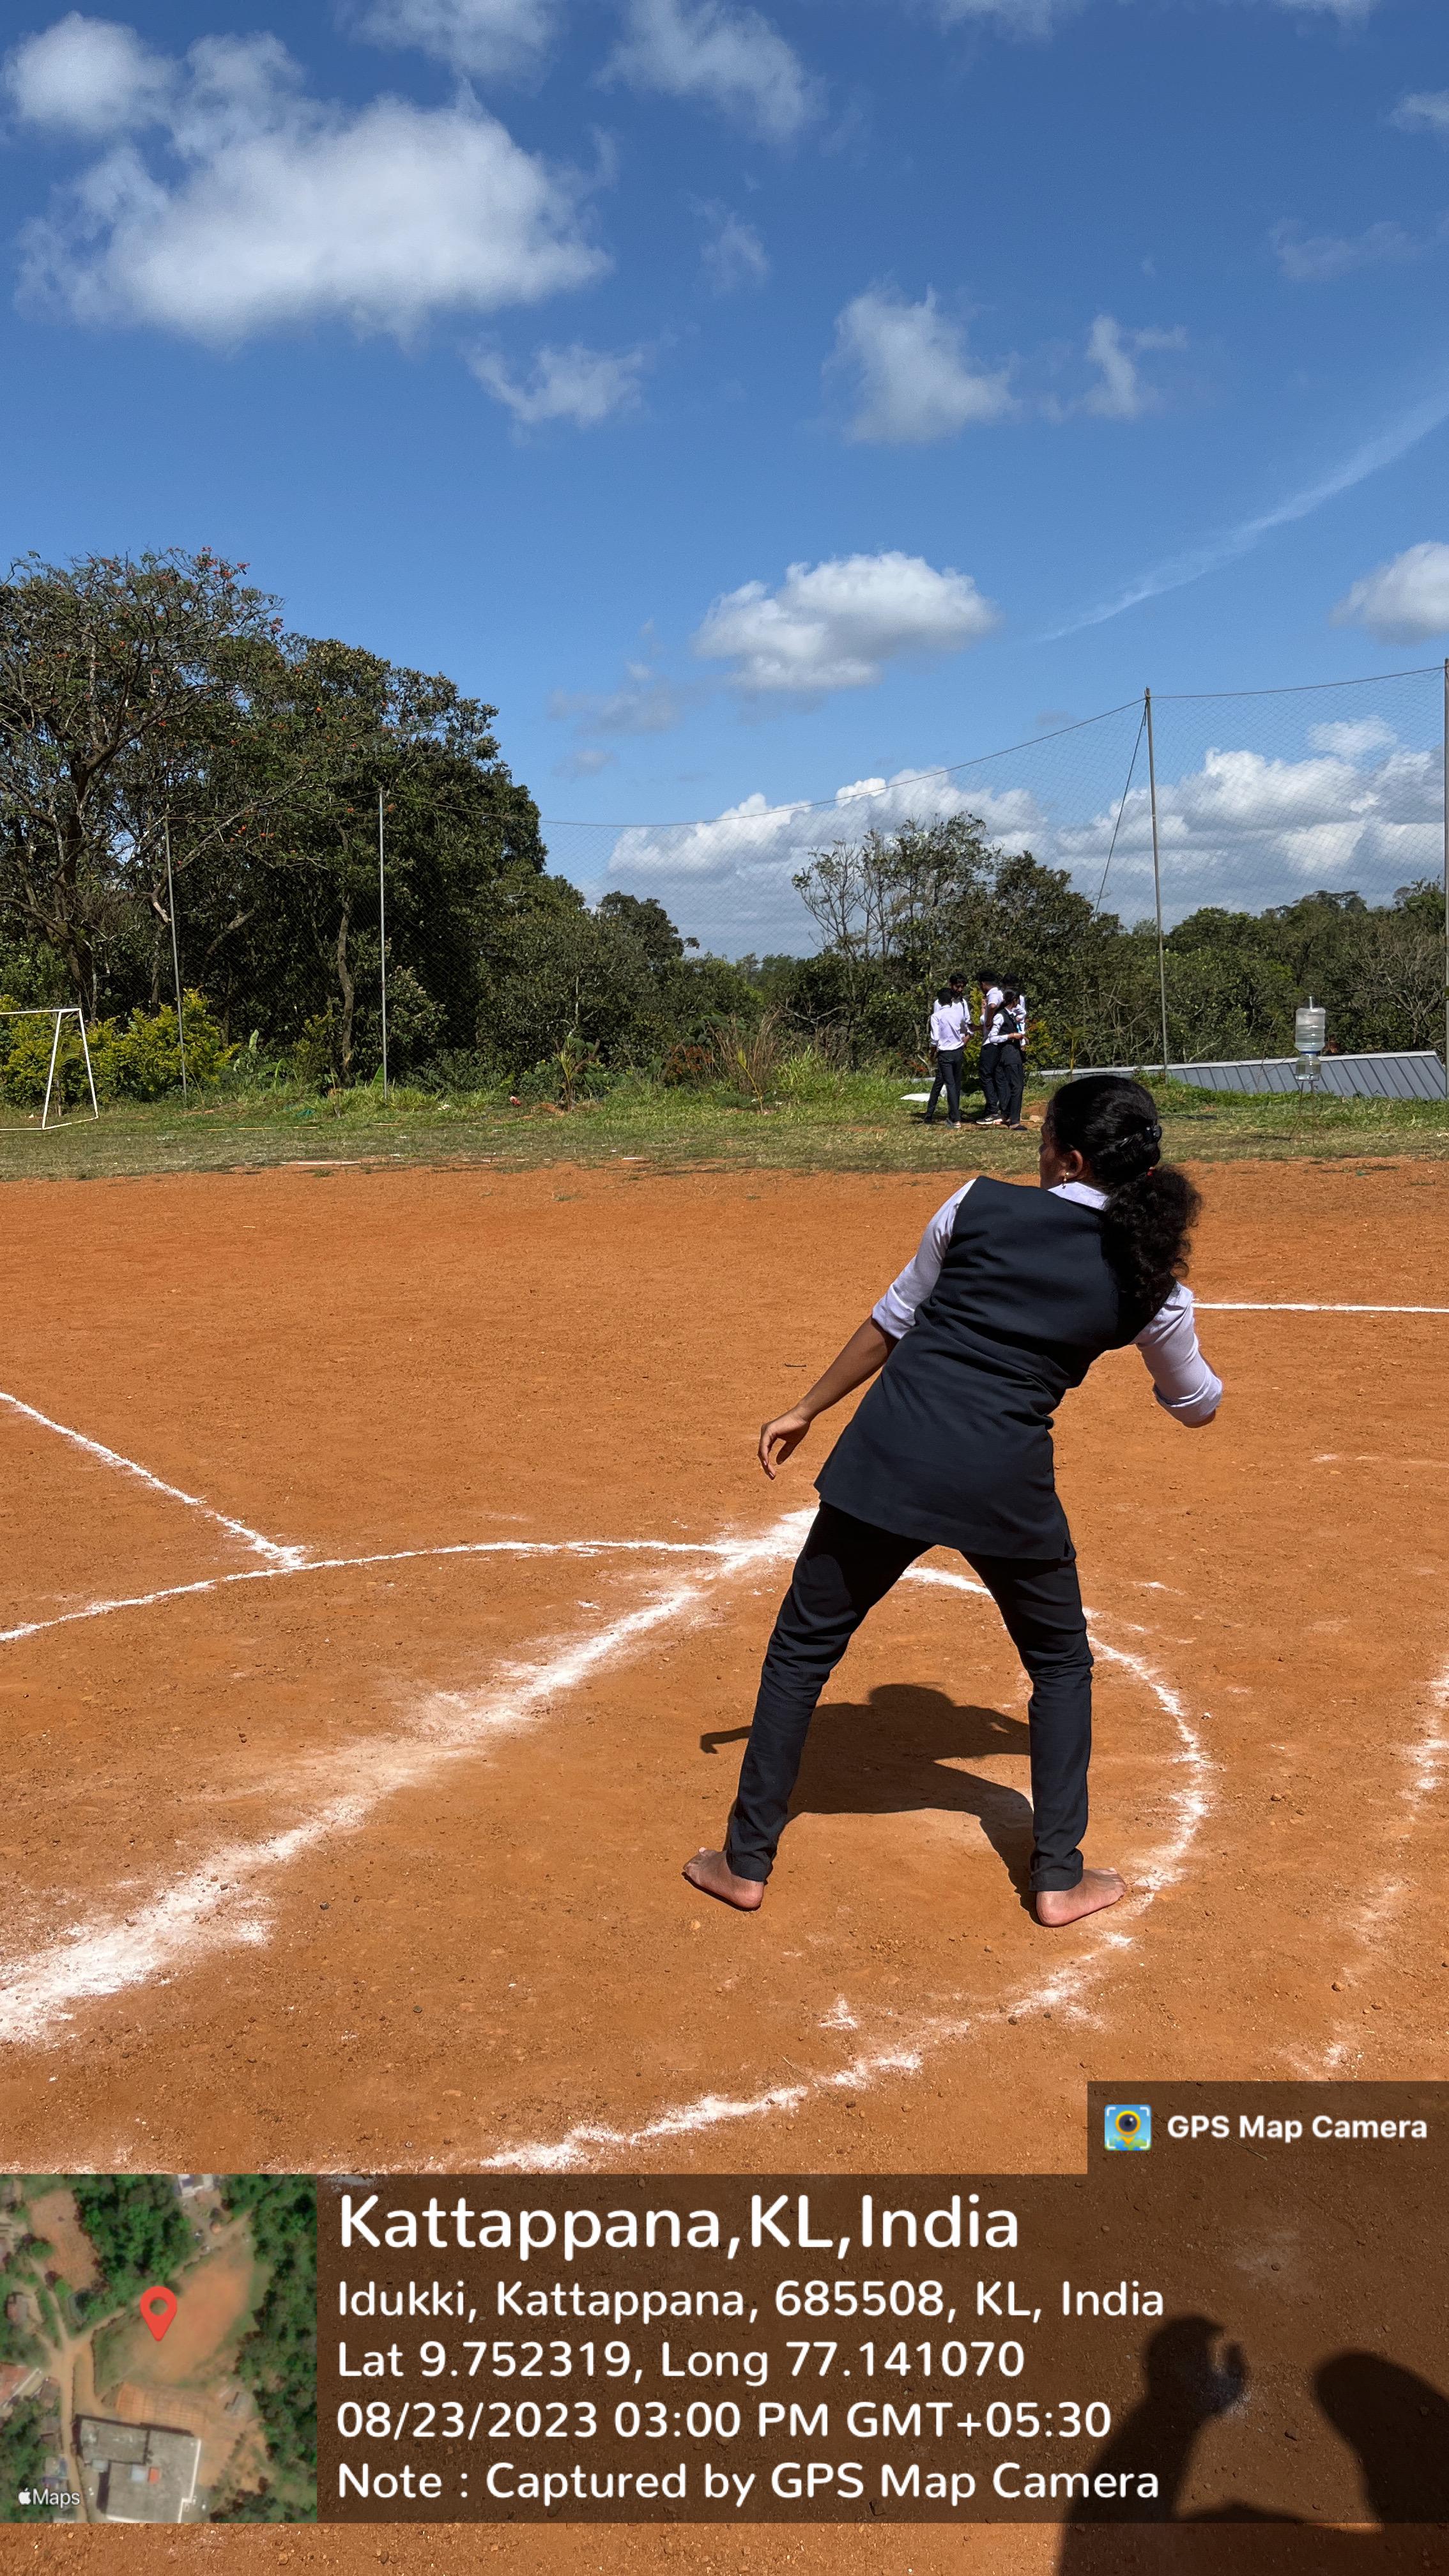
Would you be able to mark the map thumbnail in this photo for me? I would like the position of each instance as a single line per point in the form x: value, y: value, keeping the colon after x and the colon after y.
x: 158, y: 2348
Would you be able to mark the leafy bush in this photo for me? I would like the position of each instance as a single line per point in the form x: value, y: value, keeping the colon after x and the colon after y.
x: 748, y: 1057
x: 141, y: 1061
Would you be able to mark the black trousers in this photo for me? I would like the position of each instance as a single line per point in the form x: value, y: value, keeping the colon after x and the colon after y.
x: 950, y: 1064
x: 845, y: 1568
x: 991, y: 1079
x: 1011, y: 1082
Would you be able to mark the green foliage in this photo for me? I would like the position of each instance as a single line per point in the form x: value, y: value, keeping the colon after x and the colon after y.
x: 138, y: 2229
x: 26, y: 2437
x: 748, y: 1056
x: 141, y: 1061
x: 17, y: 2342
x: 162, y: 735
x: 900, y: 912
x: 278, y: 2361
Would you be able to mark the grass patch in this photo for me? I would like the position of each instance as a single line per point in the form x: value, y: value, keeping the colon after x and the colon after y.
x: 819, y: 1121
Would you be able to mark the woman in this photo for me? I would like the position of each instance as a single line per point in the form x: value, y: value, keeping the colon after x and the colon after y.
x: 1011, y: 1296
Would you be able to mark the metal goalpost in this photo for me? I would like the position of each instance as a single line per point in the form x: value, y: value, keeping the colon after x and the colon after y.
x: 65, y: 1011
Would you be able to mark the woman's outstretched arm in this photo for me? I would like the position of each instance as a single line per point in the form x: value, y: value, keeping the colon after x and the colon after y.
x: 867, y: 1350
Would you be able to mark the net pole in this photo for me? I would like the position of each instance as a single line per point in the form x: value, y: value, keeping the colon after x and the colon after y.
x: 1156, y: 874
x: 382, y: 934
x: 50, y: 1077
x: 1446, y: 878
x: 175, y: 956
x: 86, y: 1052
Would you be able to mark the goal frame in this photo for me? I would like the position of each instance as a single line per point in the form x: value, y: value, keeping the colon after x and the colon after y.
x: 59, y: 1012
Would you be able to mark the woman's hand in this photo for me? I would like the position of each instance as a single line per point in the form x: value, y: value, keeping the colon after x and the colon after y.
x: 867, y: 1350
x: 784, y: 1434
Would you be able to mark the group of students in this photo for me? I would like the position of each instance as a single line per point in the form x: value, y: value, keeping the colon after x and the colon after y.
x: 1003, y: 1051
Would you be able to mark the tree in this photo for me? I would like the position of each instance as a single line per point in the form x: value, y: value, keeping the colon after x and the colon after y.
x: 117, y: 683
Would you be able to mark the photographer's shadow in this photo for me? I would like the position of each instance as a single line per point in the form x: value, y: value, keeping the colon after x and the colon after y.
x: 896, y: 1754
x: 1394, y: 2423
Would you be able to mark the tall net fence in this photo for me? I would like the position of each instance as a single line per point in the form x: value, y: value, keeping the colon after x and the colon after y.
x: 1300, y: 845
x: 1263, y: 797
x: 1165, y: 882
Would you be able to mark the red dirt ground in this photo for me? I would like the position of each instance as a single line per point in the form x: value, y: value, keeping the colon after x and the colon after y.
x: 485, y: 1944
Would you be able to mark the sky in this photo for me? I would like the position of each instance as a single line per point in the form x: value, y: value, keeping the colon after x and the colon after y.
x: 756, y: 402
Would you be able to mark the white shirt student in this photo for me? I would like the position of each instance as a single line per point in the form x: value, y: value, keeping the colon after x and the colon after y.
x: 950, y: 1024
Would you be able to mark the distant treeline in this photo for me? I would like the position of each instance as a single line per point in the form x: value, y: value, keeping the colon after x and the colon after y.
x: 183, y: 782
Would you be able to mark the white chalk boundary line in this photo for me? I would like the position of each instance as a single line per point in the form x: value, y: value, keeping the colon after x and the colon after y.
x: 391, y: 1556
x: 171, y: 1923
x: 1425, y: 1763
x: 1066, y: 1991
x: 222, y: 1903
x: 218, y: 1903
x: 282, y: 1556
x: 1203, y: 1308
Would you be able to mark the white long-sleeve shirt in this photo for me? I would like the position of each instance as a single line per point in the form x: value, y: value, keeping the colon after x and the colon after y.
x: 1186, y: 1387
x: 950, y: 1025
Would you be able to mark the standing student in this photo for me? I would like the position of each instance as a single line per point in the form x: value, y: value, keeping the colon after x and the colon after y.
x: 1011, y: 1058
x: 950, y: 1029
x: 1011, y: 1296
x: 991, y: 1005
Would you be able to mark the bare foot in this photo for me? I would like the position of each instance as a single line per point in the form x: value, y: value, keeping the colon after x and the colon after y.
x: 1094, y: 1889
x: 711, y: 1872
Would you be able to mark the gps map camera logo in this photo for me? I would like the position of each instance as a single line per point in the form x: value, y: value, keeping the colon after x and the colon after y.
x: 1129, y: 2128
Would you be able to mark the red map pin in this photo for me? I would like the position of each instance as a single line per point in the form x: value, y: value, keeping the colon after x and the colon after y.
x: 158, y: 2307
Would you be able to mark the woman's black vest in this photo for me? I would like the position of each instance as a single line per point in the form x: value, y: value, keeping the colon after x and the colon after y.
x: 953, y: 1443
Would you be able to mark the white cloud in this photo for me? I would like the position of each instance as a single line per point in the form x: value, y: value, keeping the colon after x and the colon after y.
x: 1353, y: 741
x: 1245, y: 830
x: 769, y: 842
x: 647, y: 704
x: 1122, y: 392
x: 730, y: 58
x: 481, y: 39
x: 1311, y: 257
x: 1424, y: 111
x: 914, y: 378
x: 287, y: 210
x: 1041, y: 17
x: 584, y: 386
x: 86, y: 76
x: 1242, y: 830
x: 583, y: 764
x: 1386, y: 448
x: 734, y: 255
x: 1016, y: 17
x: 1403, y: 602
x: 835, y: 625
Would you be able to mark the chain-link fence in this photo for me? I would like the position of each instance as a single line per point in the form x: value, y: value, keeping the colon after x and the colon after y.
x: 1165, y: 882
x: 1199, y: 864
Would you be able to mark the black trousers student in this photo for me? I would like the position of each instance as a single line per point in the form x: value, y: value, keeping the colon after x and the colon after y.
x: 845, y: 1568
x: 950, y: 1064
x: 1011, y: 1081
x: 991, y: 1079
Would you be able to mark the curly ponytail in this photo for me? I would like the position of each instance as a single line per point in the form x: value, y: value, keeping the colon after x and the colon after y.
x: 1151, y: 1206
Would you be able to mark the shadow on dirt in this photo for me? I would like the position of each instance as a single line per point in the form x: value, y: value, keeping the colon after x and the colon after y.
x: 896, y: 1753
